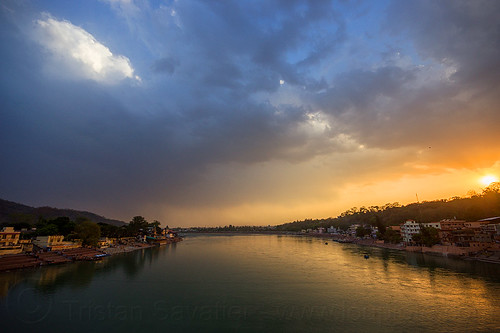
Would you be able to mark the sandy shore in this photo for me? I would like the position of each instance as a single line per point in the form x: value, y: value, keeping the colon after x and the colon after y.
x: 126, y: 248
x: 135, y: 246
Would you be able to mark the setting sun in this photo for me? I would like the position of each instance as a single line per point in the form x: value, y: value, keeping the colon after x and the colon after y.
x: 487, y: 180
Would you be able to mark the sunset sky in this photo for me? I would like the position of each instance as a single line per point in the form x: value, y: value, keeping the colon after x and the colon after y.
x: 199, y: 113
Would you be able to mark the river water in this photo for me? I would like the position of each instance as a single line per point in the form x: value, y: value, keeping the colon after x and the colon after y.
x: 255, y: 283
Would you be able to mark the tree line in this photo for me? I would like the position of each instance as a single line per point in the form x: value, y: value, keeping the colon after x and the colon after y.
x: 84, y: 229
x: 473, y: 207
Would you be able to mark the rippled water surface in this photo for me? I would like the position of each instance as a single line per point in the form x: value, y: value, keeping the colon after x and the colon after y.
x: 255, y: 282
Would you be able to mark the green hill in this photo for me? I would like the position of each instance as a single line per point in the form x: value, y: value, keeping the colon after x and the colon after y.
x: 12, y: 212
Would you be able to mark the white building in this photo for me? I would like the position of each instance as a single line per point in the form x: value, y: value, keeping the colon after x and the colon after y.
x: 408, y: 229
x: 332, y: 230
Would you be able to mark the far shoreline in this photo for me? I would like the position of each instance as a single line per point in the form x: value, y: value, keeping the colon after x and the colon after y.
x: 347, y: 239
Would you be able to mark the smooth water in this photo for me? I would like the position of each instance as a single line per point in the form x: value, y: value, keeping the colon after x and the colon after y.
x: 252, y: 283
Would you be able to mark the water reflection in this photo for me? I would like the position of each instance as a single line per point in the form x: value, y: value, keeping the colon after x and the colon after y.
x: 80, y: 274
x: 430, y: 262
x: 282, y: 283
x: 48, y: 279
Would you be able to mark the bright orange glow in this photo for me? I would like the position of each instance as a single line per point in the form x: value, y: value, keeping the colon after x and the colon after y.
x: 488, y: 179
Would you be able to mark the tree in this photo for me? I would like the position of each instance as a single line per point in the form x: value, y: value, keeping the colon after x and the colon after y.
x: 48, y: 230
x: 362, y: 231
x: 88, y: 232
x: 64, y: 225
x: 492, y: 188
x: 380, y: 226
x: 137, y: 223
x: 427, y: 236
x: 109, y: 230
x: 138, y: 220
x: 20, y: 225
x: 156, y: 226
x: 392, y: 236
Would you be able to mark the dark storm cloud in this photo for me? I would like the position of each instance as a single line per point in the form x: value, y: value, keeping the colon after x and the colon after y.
x: 456, y: 91
x: 81, y: 144
x: 357, y: 90
x: 244, y: 45
x: 76, y: 142
x: 464, y: 33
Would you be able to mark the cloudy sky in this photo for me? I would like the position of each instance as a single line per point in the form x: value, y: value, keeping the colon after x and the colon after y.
x: 254, y: 112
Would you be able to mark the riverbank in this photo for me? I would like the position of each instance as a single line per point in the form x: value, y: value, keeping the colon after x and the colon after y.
x: 126, y: 248
x: 354, y: 240
x: 484, y: 256
x: 36, y: 259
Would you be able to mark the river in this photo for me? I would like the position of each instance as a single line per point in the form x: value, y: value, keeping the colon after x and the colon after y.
x: 255, y: 283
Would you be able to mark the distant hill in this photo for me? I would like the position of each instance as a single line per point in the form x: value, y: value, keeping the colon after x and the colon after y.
x: 472, y: 208
x: 12, y: 212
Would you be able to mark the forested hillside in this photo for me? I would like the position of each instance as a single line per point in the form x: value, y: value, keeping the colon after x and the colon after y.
x: 471, y: 208
x: 15, y: 213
